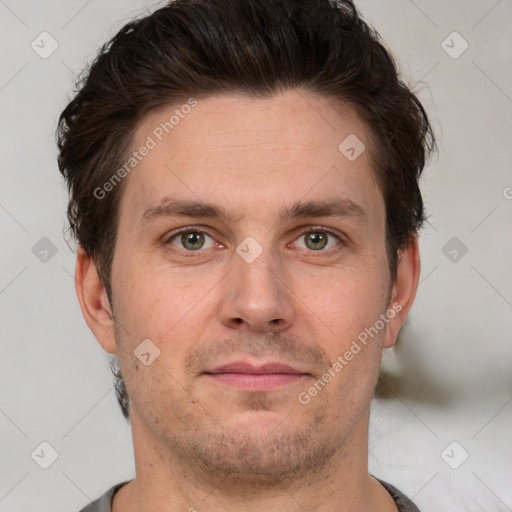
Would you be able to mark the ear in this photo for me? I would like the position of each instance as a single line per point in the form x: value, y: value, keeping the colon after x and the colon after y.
x: 94, y: 301
x: 404, y: 290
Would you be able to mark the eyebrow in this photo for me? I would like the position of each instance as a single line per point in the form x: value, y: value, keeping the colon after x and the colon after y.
x: 169, y: 208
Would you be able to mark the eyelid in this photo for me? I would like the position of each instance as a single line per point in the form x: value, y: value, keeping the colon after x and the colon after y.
x: 179, y: 231
x: 331, y: 232
x: 303, y: 230
x: 189, y: 229
x: 308, y: 229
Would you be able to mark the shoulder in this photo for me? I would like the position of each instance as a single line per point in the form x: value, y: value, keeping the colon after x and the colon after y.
x: 104, y: 502
x: 403, y: 503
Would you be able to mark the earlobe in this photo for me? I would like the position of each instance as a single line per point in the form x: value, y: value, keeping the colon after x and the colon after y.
x: 94, y: 301
x: 404, y: 290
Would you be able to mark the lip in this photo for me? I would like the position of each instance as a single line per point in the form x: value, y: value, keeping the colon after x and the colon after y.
x: 248, y: 368
x: 246, y: 376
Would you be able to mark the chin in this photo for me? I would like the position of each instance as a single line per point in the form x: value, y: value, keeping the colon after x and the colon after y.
x: 264, y: 448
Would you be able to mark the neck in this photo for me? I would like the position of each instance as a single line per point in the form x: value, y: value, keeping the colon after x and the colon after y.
x: 166, y: 483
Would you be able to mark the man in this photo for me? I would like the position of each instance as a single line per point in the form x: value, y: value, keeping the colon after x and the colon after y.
x: 243, y: 180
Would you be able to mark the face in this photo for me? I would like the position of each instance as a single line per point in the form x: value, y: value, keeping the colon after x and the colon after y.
x: 252, y: 295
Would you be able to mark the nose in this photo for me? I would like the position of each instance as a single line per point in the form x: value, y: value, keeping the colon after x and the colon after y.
x: 255, y: 296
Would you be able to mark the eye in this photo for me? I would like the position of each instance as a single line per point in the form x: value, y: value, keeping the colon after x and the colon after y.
x: 191, y: 240
x: 318, y: 240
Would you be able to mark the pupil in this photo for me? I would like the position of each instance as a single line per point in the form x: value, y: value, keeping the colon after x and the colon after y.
x: 317, y: 238
x: 192, y: 241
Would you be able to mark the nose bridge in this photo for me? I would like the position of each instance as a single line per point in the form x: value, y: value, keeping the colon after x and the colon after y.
x: 257, y: 269
x: 256, y: 293
x: 257, y: 265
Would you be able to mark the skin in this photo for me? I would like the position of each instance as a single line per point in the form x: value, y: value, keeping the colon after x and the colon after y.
x: 206, y: 445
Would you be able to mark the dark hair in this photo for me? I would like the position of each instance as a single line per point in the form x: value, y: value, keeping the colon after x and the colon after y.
x: 255, y: 47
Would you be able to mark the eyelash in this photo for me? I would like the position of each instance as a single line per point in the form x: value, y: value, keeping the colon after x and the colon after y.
x: 309, y: 229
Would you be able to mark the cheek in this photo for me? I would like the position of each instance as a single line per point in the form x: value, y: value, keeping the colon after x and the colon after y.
x: 172, y: 308
x: 153, y: 302
x: 343, y: 302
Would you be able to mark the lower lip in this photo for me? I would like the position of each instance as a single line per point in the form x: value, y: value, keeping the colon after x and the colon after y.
x: 257, y: 381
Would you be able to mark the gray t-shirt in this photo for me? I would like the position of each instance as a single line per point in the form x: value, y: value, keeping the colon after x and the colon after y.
x: 104, y: 503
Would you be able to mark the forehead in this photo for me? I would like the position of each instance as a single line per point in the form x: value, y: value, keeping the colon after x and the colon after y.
x: 248, y: 152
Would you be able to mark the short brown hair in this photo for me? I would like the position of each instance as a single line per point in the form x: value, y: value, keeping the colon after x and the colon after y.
x: 256, y: 47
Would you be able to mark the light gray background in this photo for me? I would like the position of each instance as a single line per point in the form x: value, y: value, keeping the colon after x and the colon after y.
x: 449, y: 379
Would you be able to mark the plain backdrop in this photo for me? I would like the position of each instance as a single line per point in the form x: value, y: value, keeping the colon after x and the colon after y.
x: 442, y: 429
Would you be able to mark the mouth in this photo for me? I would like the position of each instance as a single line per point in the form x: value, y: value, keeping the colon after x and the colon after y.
x: 250, y: 377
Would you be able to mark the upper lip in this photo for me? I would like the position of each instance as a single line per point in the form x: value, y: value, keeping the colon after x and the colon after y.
x: 245, y: 367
